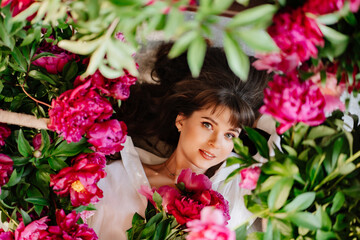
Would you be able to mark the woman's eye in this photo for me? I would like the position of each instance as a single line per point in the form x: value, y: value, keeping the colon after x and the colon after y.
x: 207, y: 125
x: 229, y: 135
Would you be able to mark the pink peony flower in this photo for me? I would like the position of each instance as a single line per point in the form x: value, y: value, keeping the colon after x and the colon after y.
x: 297, y: 36
x: 6, y: 235
x: 211, y: 226
x: 354, y: 5
x: 80, y: 181
x: 185, y: 209
x: 6, y: 169
x: 54, y: 64
x: 4, y: 133
x: 34, y: 230
x: 69, y: 229
x: 92, y: 158
x: 331, y: 91
x: 17, y: 6
x: 118, y: 88
x: 290, y: 101
x: 249, y: 177
x: 76, y: 110
x: 194, y: 182
x: 107, y: 137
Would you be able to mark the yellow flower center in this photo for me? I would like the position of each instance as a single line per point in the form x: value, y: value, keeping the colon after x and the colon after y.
x: 77, y: 186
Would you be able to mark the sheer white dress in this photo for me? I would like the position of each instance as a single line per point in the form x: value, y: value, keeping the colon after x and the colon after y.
x: 121, y: 198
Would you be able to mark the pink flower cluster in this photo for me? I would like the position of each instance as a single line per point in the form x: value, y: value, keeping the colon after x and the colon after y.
x: 290, y: 101
x: 211, y: 226
x: 186, y: 205
x: 4, y: 133
x: 6, y: 169
x: 54, y: 64
x: 319, y: 7
x: 297, y: 36
x: 67, y: 228
x: 80, y: 180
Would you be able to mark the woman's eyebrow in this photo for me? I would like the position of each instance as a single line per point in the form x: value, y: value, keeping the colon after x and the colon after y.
x: 213, y: 121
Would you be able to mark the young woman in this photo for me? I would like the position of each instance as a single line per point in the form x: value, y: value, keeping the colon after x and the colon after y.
x: 198, y: 118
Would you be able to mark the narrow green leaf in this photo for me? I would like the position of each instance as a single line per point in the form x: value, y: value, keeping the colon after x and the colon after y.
x: 259, y: 141
x: 23, y: 145
x: 324, y: 218
x: 320, y: 131
x: 305, y: 220
x: 15, y: 178
x: 301, y: 202
x: 26, y: 218
x: 162, y: 230
x: 241, y: 232
x: 38, y: 201
x: 70, y: 149
x: 56, y: 163
x: 337, y: 202
x: 279, y: 193
x: 41, y: 76
x: 19, y: 58
x: 237, y: 59
x: 80, y: 47
x: 258, y: 39
x: 196, y: 55
x: 323, y: 235
x: 182, y: 44
x: 232, y: 175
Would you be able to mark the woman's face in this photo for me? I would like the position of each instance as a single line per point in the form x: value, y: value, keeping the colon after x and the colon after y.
x: 205, y: 137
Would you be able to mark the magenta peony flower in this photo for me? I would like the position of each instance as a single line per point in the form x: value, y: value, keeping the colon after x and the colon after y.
x: 354, y: 5
x: 17, y: 6
x: 6, y: 235
x: 34, y: 230
x: 297, y: 36
x: 92, y: 158
x: 290, y: 101
x: 6, y: 169
x: 118, y: 88
x: 319, y: 7
x: 211, y: 226
x: 80, y: 181
x: 4, y: 133
x: 194, y: 182
x: 68, y: 228
x: 76, y: 110
x: 187, y: 204
x: 107, y: 137
x: 331, y: 91
x: 54, y: 64
x: 249, y: 177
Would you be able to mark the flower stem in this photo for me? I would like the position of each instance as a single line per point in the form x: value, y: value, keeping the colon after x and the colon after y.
x: 38, y: 101
x: 5, y: 212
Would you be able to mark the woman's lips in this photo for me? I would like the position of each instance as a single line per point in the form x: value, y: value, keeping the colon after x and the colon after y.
x: 207, y: 155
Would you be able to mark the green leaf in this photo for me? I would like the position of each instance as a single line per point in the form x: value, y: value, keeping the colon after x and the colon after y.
x: 174, y: 19
x: 337, y: 202
x: 70, y: 70
x: 56, y: 163
x: 182, y: 44
x: 96, y: 58
x: 320, y: 131
x: 325, y: 235
x: 27, y: 12
x: 237, y: 59
x: 25, y: 216
x: 15, y: 178
x: 235, y: 160
x: 269, y: 183
x: 240, y: 148
x: 291, y: 151
x: 157, y: 199
x: 80, y: 47
x: 259, y: 141
x: 38, y: 201
x: 196, y: 55
x: 162, y: 230
x: 258, y: 39
x: 260, y: 14
x: 279, y: 193
x: 89, y: 207
x: 232, y: 175
x: 23, y: 145
x: 19, y: 161
x: 301, y: 202
x: 340, y: 224
x: 324, y: 218
x: 70, y: 149
x: 305, y: 220
x: 41, y: 76
x: 19, y: 58
x: 241, y: 232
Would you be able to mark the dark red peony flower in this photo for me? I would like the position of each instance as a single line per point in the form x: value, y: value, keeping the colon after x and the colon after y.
x: 319, y: 7
x: 290, y: 101
x: 69, y: 229
x: 6, y: 169
x: 4, y: 133
x: 107, y: 137
x: 34, y: 230
x: 185, y: 209
x: 93, y: 158
x: 75, y: 111
x: 80, y: 181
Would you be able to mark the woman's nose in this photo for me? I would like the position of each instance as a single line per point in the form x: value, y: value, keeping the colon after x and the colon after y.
x: 214, y: 140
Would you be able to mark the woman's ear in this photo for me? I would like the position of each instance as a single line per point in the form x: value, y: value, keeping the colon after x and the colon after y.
x: 179, y: 121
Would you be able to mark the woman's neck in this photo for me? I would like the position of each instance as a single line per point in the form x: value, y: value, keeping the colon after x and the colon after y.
x: 175, y: 164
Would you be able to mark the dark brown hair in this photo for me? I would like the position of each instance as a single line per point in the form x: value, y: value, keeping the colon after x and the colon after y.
x: 152, y: 108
